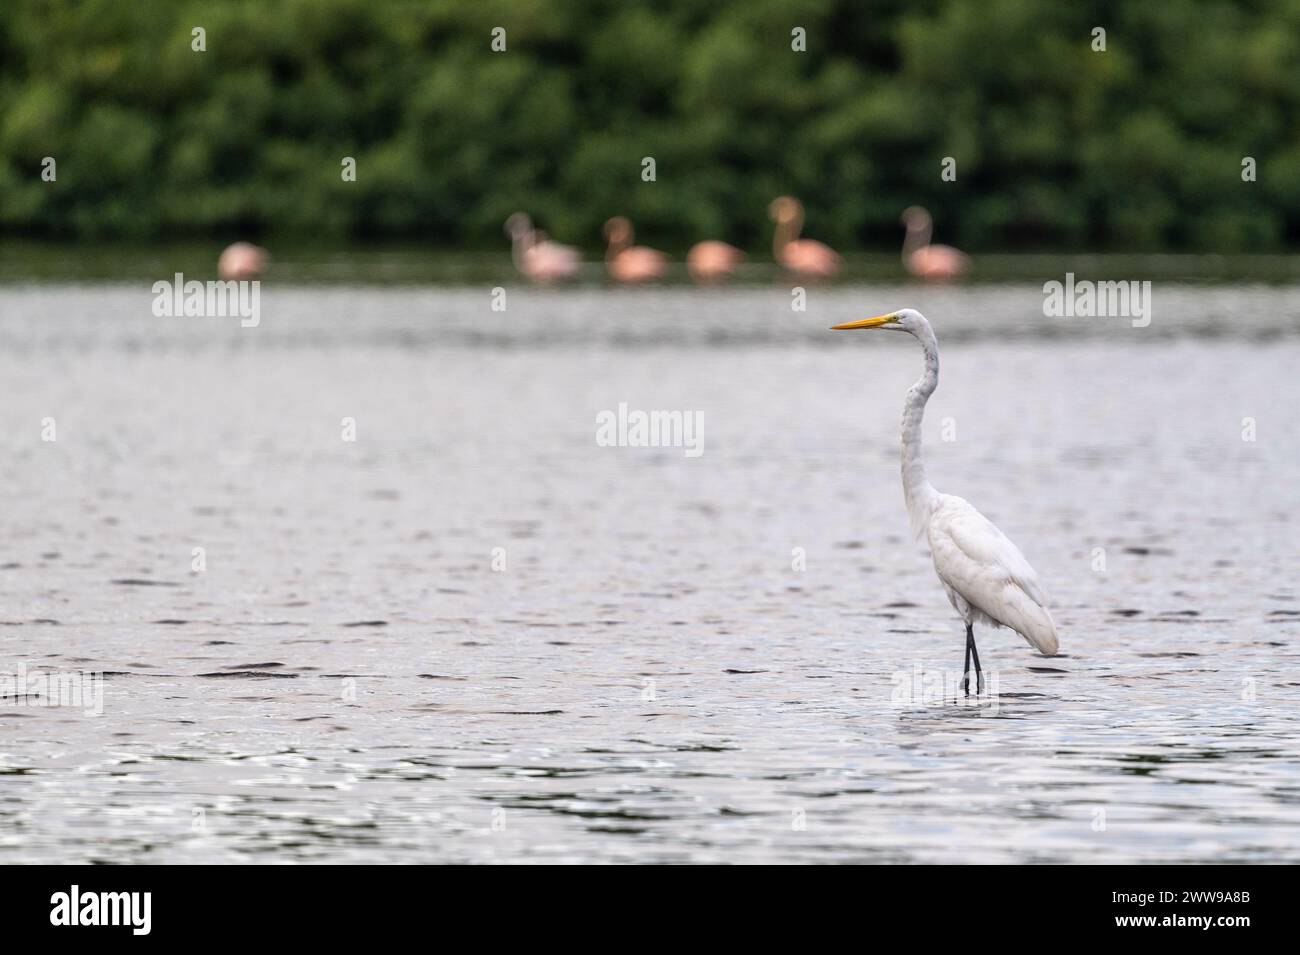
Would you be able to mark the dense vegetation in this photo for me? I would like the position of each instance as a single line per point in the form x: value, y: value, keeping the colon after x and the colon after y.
x: 1140, y: 146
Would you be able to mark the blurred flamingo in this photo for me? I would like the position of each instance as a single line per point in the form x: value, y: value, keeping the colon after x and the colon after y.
x: 934, y: 263
x: 711, y: 261
x: 627, y: 262
x: 536, y: 257
x: 806, y: 258
x: 241, y: 261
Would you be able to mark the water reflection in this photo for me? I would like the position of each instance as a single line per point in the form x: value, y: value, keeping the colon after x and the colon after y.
x: 648, y: 679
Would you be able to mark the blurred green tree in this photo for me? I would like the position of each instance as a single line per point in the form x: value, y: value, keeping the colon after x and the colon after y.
x: 1054, y: 143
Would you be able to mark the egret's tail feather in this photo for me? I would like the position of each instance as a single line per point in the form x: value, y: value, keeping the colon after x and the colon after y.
x: 1046, y: 642
x: 1030, y: 619
x: 1041, y: 632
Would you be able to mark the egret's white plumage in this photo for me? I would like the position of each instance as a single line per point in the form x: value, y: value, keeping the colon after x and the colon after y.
x: 986, y: 577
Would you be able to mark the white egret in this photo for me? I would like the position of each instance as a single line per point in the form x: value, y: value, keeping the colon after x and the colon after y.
x: 986, y: 577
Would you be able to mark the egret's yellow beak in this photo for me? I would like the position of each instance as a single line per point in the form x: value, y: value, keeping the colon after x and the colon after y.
x: 867, y: 322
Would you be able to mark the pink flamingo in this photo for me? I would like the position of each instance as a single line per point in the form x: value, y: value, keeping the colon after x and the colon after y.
x: 711, y: 261
x: 934, y: 263
x: 241, y: 261
x: 536, y: 256
x: 806, y: 258
x: 627, y: 262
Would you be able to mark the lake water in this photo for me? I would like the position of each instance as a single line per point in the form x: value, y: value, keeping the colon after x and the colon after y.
x: 474, y: 634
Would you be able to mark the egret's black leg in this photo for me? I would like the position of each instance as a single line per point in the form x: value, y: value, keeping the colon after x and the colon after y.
x: 979, y: 674
x: 965, y: 670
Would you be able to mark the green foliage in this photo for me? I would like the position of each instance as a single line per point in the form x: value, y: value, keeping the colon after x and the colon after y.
x: 1137, y: 147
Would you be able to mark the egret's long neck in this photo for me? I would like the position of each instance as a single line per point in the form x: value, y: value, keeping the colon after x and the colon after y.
x: 917, y: 490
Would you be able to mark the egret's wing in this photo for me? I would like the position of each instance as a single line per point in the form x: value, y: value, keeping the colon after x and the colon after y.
x: 978, y: 561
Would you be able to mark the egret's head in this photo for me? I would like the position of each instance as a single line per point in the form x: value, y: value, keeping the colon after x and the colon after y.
x: 904, y: 320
